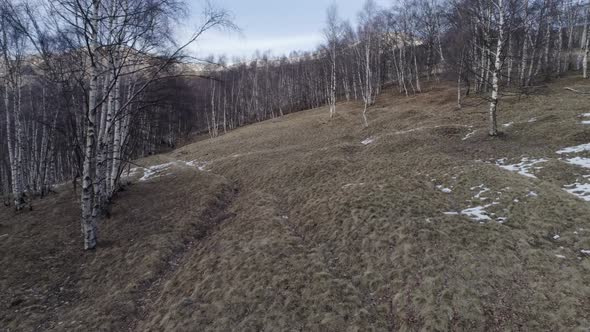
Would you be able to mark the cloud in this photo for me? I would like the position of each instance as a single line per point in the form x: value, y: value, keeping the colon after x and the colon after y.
x: 221, y: 43
x: 248, y: 46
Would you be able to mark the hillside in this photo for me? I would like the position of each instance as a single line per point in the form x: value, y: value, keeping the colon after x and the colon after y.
x: 419, y: 222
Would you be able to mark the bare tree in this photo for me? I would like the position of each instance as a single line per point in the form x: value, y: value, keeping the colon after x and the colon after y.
x: 332, y: 34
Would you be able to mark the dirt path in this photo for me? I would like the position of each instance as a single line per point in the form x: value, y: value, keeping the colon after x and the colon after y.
x: 210, y: 221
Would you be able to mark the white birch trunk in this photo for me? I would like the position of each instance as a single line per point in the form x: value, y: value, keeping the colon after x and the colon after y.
x: 493, y: 131
x: 88, y: 221
x: 116, y: 160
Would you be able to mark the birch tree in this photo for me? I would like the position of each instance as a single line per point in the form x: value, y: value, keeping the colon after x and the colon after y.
x: 501, y: 13
x: 332, y: 35
x: 366, y: 36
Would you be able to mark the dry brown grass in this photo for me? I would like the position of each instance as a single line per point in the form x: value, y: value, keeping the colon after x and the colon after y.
x: 327, y: 234
x: 48, y: 282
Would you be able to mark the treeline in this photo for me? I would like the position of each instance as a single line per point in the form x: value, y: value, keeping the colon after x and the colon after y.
x: 486, y: 46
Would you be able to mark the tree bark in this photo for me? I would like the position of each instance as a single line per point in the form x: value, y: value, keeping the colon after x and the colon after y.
x: 88, y: 220
x: 493, y: 131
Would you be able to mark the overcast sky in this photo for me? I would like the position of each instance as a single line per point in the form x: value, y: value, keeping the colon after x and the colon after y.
x: 275, y: 25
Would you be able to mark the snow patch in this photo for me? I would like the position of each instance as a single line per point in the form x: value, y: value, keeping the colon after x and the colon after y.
x: 585, y: 252
x: 155, y: 171
x: 586, y: 122
x: 451, y: 213
x: 509, y: 124
x: 560, y: 256
x: 585, y: 115
x: 368, y: 141
x: 579, y: 161
x: 531, y: 120
x: 556, y: 237
x: 131, y: 173
x: 443, y: 189
x: 525, y: 166
x: 483, y: 189
x: 158, y: 170
x: 582, y: 190
x: 575, y: 149
x: 477, y: 213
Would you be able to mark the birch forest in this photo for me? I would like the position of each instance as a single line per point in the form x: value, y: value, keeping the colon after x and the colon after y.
x: 89, y: 85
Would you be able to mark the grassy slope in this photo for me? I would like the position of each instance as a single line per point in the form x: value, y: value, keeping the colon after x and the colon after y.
x: 324, y: 233
x: 49, y: 283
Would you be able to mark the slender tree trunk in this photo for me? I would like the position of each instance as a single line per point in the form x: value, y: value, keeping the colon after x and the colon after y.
x: 12, y: 158
x: 418, y: 88
x: 117, y: 141
x: 88, y: 222
x: 19, y: 144
x: 332, y: 98
x: 496, y: 72
x: 586, y: 46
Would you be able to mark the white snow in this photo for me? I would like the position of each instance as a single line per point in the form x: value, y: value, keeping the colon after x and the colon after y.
x: 586, y: 122
x: 201, y: 165
x: 556, y: 237
x: 368, y: 141
x: 575, y: 149
x: 477, y: 213
x: 579, y: 161
x: 509, y: 124
x: 154, y: 171
x: 585, y: 115
x: 560, y: 256
x: 525, y: 166
x: 443, y: 189
x: 466, y: 137
x: 532, y: 194
x: 582, y: 190
x: 132, y: 172
x: 585, y: 252
x: 531, y: 120
x: 483, y: 190
x: 158, y: 170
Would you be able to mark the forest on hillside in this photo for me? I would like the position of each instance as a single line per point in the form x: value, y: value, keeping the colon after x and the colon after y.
x: 89, y: 85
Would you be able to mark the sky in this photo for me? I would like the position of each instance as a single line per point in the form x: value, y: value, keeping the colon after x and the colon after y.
x: 277, y: 26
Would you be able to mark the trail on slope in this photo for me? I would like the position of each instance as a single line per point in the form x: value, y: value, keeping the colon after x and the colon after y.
x: 49, y: 283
